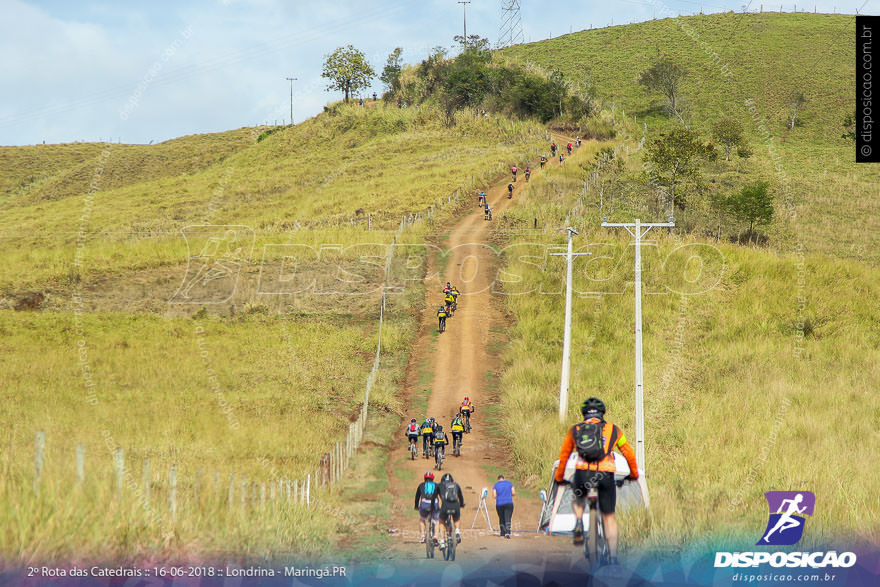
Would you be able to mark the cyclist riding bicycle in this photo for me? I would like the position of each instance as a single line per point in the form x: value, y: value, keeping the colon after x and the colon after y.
x: 514, y: 170
x: 452, y: 500
x: 457, y: 427
x: 543, y: 161
x: 487, y: 212
x: 412, y: 431
x: 440, y: 441
x: 569, y: 148
x: 448, y: 300
x: 427, y: 429
x: 447, y: 288
x: 595, y: 473
x: 509, y: 190
x: 427, y: 503
x: 481, y: 198
x: 577, y: 142
x: 528, y: 173
x: 553, y: 148
x: 467, y: 408
x: 455, y: 293
x: 441, y: 317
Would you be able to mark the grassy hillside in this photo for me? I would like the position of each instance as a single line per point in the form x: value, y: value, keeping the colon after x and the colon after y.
x: 753, y: 358
x: 820, y: 190
x: 240, y: 392
x: 385, y: 162
x: 50, y: 172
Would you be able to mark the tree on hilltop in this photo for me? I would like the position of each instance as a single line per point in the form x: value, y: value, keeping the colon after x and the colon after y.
x: 348, y: 70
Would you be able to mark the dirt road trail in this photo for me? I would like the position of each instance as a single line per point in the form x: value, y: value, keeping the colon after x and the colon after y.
x: 443, y: 369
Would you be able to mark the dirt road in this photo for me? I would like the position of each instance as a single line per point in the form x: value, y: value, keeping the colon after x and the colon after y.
x: 442, y: 370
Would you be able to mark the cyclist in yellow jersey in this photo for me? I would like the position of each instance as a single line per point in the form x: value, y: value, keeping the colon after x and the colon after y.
x: 457, y: 428
x: 449, y: 299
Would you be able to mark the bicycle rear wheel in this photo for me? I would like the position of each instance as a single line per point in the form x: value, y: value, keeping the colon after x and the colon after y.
x: 591, y: 545
x: 429, y: 537
x: 449, y: 554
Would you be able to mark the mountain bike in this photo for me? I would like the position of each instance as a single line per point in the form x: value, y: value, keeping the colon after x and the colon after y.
x: 467, y: 422
x: 439, y: 454
x: 456, y: 445
x: 426, y: 449
x: 442, y: 327
x: 595, y: 546
x: 413, y: 448
x: 451, y: 540
x: 487, y: 215
x: 454, y: 306
x: 429, y: 536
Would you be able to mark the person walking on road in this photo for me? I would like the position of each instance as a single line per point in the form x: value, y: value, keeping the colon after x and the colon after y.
x: 504, y: 491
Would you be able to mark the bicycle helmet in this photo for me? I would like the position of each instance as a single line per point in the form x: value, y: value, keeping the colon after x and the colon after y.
x: 412, y: 420
x: 439, y: 428
x: 593, y: 407
x: 429, y: 476
x: 447, y: 478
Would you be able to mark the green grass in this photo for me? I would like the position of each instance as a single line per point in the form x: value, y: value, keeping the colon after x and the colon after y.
x: 824, y: 201
x: 386, y: 162
x: 757, y: 356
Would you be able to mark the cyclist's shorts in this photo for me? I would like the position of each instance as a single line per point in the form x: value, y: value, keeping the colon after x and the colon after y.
x: 601, y: 480
x: 412, y: 434
x: 425, y: 510
x: 454, y: 511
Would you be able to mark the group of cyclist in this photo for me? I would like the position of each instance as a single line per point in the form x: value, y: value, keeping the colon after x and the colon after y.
x: 439, y: 503
x: 450, y: 305
x: 434, y: 437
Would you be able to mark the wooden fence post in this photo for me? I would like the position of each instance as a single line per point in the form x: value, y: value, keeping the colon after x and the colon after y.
x: 120, y: 466
x: 147, y: 481
x: 39, y: 449
x: 231, y: 489
x: 80, y: 463
x: 308, y: 490
x: 243, y: 492
x: 172, y: 486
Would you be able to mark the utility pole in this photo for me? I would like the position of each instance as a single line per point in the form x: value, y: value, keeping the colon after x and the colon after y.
x: 566, y: 337
x: 291, y: 80
x: 464, y: 4
x: 639, y: 229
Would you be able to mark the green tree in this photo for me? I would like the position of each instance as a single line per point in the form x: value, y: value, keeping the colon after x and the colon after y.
x: 665, y: 77
x: 348, y: 71
x: 675, y: 160
x: 391, y: 73
x: 752, y: 204
x: 729, y: 133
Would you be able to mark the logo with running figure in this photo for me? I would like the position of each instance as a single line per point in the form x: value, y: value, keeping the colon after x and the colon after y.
x: 788, y: 514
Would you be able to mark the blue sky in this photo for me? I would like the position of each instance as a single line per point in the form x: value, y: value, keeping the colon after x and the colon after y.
x: 140, y: 71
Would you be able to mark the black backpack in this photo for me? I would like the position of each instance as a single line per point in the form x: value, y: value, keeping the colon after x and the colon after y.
x: 588, y: 440
x: 450, y: 493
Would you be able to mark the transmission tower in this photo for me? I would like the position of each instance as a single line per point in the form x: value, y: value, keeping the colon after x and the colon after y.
x: 511, y: 31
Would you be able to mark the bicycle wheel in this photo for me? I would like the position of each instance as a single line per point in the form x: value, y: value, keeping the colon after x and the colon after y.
x: 592, y: 543
x: 429, y: 537
x: 449, y: 554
